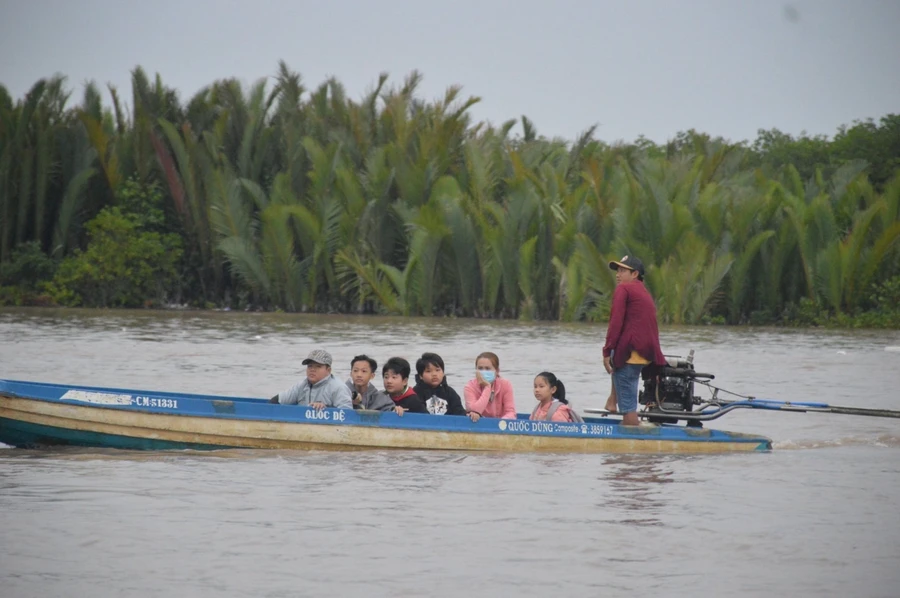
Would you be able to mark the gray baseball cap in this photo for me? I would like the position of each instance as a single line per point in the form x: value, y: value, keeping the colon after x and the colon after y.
x: 320, y: 356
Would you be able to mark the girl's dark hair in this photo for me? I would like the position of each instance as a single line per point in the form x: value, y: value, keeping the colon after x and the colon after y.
x: 552, y: 380
x: 398, y: 365
x: 428, y: 359
x: 372, y: 363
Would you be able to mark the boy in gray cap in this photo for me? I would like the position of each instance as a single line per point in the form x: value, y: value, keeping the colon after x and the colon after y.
x: 320, y: 388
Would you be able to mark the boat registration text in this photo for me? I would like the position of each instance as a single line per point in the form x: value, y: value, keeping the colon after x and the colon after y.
x: 106, y: 398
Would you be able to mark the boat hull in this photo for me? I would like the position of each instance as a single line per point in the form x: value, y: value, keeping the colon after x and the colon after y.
x: 34, y: 414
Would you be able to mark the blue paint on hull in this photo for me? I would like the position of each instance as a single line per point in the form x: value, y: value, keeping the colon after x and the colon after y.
x: 27, y: 435
x: 157, y: 408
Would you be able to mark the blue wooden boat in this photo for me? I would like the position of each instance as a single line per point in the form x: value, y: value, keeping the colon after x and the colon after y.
x: 39, y: 414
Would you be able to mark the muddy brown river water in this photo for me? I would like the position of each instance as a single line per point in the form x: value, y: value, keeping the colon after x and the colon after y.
x: 818, y: 516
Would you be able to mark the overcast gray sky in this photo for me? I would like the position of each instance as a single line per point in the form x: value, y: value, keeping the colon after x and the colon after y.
x: 651, y: 67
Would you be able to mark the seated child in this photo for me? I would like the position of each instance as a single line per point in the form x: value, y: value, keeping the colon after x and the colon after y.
x: 552, y: 404
x: 395, y: 374
x: 432, y: 387
x: 363, y: 392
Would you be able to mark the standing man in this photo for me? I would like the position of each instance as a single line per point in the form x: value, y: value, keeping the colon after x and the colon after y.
x: 632, y: 339
x: 320, y: 388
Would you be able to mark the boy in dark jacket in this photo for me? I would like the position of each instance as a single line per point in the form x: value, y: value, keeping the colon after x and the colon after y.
x: 396, y: 386
x: 432, y: 387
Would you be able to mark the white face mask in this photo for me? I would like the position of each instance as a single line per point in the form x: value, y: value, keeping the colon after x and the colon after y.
x: 488, y: 375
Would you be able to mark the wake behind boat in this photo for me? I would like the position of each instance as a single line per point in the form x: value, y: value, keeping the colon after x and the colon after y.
x: 40, y: 414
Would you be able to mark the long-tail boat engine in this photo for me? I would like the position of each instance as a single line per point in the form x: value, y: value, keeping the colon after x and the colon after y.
x: 669, y: 389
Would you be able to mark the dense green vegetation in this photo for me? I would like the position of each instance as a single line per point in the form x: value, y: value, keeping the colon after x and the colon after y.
x: 305, y: 200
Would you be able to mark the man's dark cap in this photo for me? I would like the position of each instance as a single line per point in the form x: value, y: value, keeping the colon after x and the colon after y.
x: 630, y: 262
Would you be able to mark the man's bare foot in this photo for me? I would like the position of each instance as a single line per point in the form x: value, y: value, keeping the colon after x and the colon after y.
x: 611, y: 405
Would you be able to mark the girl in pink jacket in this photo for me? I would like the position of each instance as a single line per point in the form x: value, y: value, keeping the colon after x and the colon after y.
x: 552, y: 404
x: 489, y: 395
